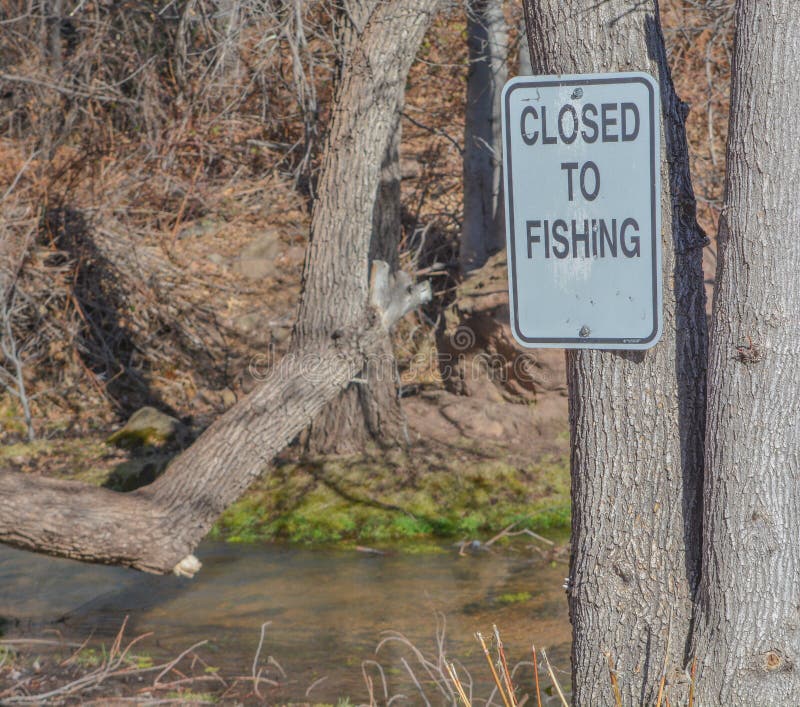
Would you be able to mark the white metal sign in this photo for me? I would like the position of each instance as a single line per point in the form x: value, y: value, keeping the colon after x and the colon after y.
x: 583, y: 211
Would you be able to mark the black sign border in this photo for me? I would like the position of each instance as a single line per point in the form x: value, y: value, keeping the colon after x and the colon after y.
x: 549, y: 83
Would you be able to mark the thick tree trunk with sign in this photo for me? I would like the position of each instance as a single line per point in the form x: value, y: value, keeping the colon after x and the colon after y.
x: 636, y: 418
x: 487, y: 40
x: 356, y: 213
x: 747, y: 639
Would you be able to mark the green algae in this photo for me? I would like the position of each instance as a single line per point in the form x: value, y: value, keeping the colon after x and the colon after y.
x: 395, y: 497
x: 517, y: 598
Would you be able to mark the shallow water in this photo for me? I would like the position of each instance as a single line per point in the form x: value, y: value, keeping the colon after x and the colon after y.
x: 328, y: 610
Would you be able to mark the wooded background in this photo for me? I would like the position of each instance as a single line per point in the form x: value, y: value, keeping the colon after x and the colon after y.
x: 158, y: 165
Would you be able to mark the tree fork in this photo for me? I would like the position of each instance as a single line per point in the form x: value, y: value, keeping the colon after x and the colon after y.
x: 371, y: 408
x: 156, y: 528
x: 381, y: 40
x: 636, y: 418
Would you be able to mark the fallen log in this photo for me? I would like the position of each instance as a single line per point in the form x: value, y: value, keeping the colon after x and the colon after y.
x: 156, y: 528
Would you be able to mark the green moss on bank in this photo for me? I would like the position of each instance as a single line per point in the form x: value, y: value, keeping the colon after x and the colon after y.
x: 86, y: 460
x: 396, y: 497
x: 461, y: 491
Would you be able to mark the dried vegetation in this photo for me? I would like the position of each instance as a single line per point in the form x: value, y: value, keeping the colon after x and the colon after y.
x: 144, y: 147
x: 47, y: 671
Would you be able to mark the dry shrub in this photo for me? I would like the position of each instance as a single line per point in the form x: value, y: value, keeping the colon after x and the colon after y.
x: 699, y: 36
x: 123, y: 124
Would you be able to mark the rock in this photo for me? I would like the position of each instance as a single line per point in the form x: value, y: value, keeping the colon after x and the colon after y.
x: 220, y: 399
x: 486, y: 289
x: 228, y: 398
x: 469, y: 416
x: 257, y: 260
x: 409, y: 168
x: 296, y: 254
x: 478, y: 345
x: 281, y: 334
x: 252, y: 322
x: 146, y: 427
x: 137, y: 472
x: 255, y: 268
x: 246, y: 382
x: 201, y: 228
x: 206, y: 396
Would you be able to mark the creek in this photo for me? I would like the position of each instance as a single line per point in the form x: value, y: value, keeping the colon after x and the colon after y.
x: 328, y: 609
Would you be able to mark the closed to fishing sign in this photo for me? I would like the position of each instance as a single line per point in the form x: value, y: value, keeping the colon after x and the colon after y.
x: 583, y: 214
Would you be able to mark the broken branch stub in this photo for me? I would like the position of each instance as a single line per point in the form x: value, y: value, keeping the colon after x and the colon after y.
x: 395, y: 294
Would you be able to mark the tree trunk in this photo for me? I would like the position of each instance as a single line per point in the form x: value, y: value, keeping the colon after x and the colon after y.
x: 524, y: 67
x: 636, y: 419
x: 748, y: 630
x: 487, y: 40
x: 156, y: 528
x: 355, y: 212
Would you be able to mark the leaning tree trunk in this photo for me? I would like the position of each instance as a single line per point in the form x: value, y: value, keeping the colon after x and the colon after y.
x: 636, y: 418
x: 748, y: 632
x: 157, y: 527
x: 487, y: 40
x: 357, y: 192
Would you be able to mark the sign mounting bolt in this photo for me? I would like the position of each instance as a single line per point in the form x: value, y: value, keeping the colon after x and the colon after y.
x: 585, y: 331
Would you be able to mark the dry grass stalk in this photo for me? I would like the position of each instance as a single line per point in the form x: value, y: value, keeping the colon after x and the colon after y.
x: 451, y: 669
x: 495, y: 676
x: 114, y: 665
x: 661, y: 690
x: 504, y: 666
x: 256, y: 671
x: 692, y: 682
x: 536, y: 676
x: 554, y: 679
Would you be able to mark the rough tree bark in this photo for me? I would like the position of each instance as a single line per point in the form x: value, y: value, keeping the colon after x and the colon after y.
x: 157, y: 527
x: 348, y: 215
x: 636, y: 419
x: 748, y: 629
x: 524, y: 67
x: 487, y: 41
